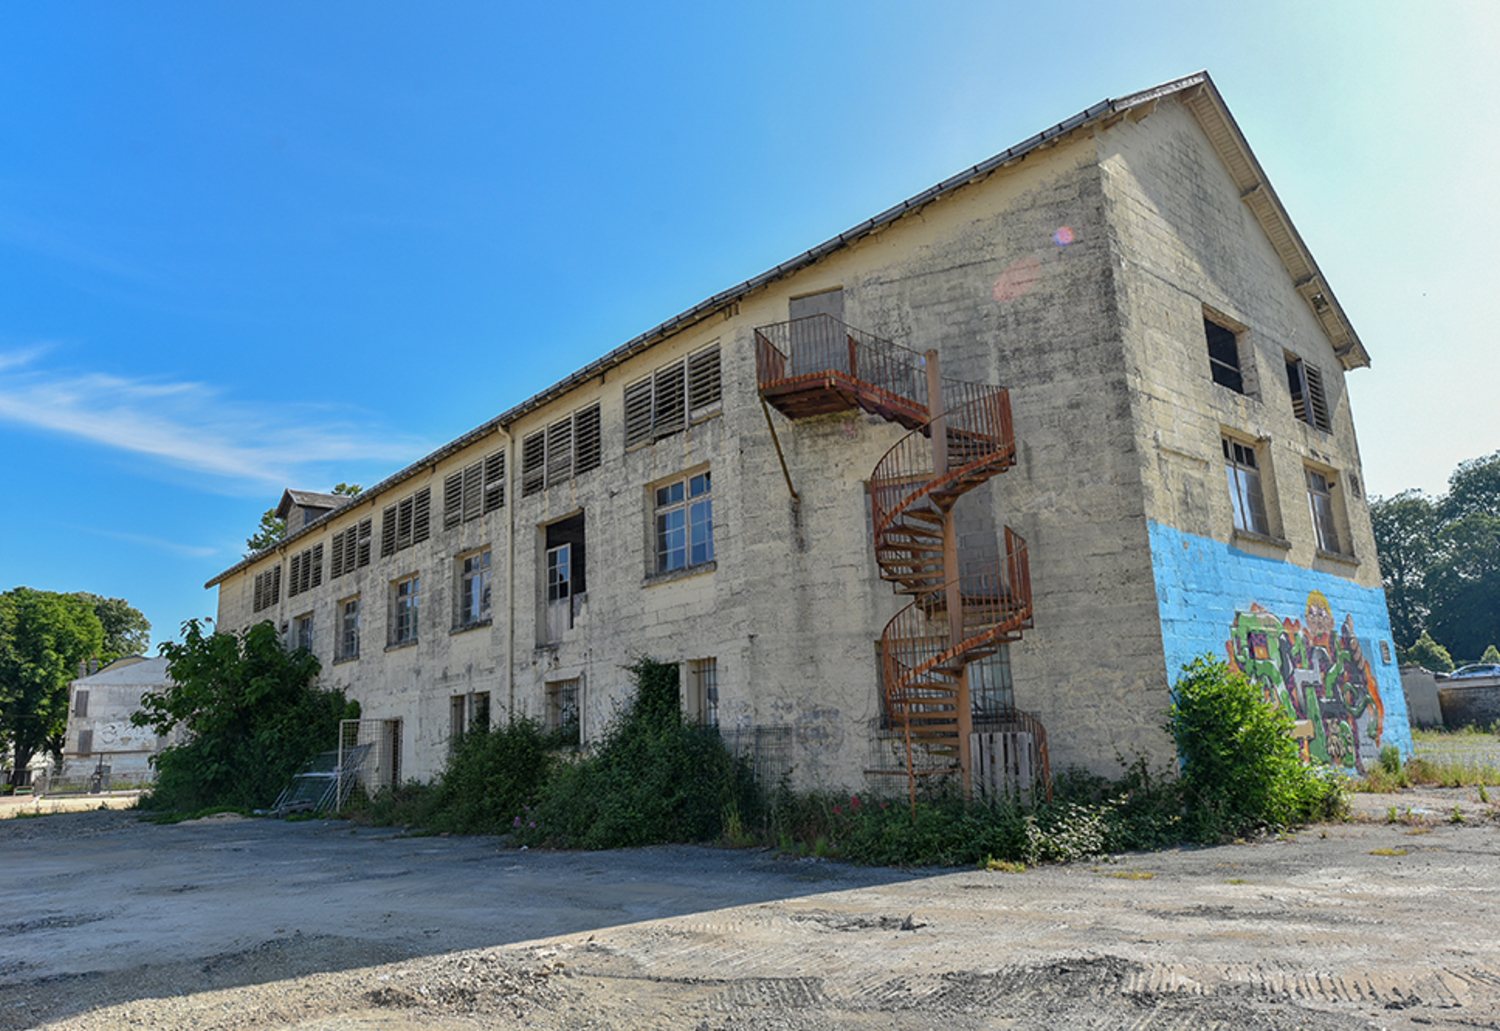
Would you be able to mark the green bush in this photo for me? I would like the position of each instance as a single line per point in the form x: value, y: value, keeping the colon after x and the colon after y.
x: 1240, y: 767
x: 490, y: 775
x: 653, y: 777
x: 252, y: 714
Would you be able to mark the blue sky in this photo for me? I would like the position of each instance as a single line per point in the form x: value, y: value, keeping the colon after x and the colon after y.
x: 252, y: 246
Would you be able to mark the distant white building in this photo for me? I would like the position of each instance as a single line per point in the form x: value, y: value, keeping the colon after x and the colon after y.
x: 100, y: 733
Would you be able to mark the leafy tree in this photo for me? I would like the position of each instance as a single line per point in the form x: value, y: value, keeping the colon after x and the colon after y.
x: 271, y: 531
x: 126, y: 630
x: 1463, y: 584
x: 1491, y: 654
x: 1405, y: 528
x: 1428, y: 653
x: 1473, y: 488
x: 348, y: 490
x: 1240, y: 767
x: 43, y: 637
x: 252, y: 712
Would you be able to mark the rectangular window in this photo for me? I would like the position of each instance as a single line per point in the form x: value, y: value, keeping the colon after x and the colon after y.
x: 267, y: 588
x: 349, y: 629
x: 1245, y: 487
x: 80, y: 703
x: 474, y: 588
x: 684, y: 523
x: 1320, y: 500
x: 351, y: 549
x: 468, y: 712
x: 1309, y: 402
x: 405, y: 597
x: 86, y: 741
x: 407, y: 522
x: 1224, y: 355
x: 702, y: 701
x: 990, y: 690
x: 303, y: 632
x: 306, y: 571
x: 565, y: 449
x: 474, y: 490
x: 564, y: 698
x: 565, y: 574
x: 667, y: 400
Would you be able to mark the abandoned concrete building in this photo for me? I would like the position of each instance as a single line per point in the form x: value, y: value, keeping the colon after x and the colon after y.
x: 977, y: 476
x: 102, y: 748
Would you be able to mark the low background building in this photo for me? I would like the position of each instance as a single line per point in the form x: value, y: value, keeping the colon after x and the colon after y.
x: 101, y: 739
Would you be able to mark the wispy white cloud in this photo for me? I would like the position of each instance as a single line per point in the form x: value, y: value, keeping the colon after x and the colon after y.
x: 176, y: 548
x: 191, y: 426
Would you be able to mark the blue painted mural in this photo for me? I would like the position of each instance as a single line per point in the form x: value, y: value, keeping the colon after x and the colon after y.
x: 1311, y: 640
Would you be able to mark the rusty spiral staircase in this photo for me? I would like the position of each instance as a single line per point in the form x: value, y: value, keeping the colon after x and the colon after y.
x: 961, y: 612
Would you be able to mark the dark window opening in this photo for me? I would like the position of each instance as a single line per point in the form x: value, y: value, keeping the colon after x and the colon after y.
x: 1224, y: 356
x: 1309, y: 402
x: 566, y: 575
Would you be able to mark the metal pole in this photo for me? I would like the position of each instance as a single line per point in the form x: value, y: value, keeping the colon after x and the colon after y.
x: 953, y: 589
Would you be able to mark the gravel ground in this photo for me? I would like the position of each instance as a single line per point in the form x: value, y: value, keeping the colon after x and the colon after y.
x: 231, y: 924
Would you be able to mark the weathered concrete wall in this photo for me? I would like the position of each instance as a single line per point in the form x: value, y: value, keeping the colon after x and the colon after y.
x: 1472, y: 702
x: 1310, y: 625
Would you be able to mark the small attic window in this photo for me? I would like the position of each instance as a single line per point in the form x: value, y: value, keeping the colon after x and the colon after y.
x: 1224, y: 355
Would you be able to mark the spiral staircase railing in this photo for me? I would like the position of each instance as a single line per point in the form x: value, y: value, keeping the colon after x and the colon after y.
x: 818, y: 365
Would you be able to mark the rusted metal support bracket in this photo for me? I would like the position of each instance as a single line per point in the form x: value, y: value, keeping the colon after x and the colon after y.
x: 780, y: 457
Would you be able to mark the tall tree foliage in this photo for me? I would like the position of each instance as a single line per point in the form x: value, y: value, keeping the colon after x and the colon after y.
x: 252, y: 714
x: 43, y: 638
x: 126, y: 629
x: 1405, y: 529
x: 1440, y: 560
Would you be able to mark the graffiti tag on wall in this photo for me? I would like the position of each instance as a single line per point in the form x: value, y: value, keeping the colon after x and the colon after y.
x: 1317, y: 675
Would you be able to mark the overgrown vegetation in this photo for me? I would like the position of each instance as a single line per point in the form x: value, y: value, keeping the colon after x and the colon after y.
x: 1240, y: 766
x: 252, y: 715
x: 655, y: 777
x: 1467, y: 757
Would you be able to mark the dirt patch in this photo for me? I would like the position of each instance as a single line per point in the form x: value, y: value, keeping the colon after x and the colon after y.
x: 320, y: 926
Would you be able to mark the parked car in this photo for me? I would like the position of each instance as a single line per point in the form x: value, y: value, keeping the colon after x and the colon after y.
x: 1473, y: 669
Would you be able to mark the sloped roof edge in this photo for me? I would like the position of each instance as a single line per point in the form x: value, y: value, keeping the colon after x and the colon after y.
x: 1201, y: 97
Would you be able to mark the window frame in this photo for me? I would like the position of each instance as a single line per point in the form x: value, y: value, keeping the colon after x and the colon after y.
x: 701, y: 699
x: 306, y: 571
x: 1238, y: 376
x: 666, y: 505
x: 475, y: 490
x: 464, y: 617
x: 267, y: 588
x: 351, y: 548
x: 406, y: 610
x: 1325, y: 523
x: 562, y: 450
x: 1247, y: 485
x: 406, y: 522
x: 348, y: 639
x: 1309, y: 396
x: 565, y: 699
x: 301, y: 639
x: 674, y: 396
